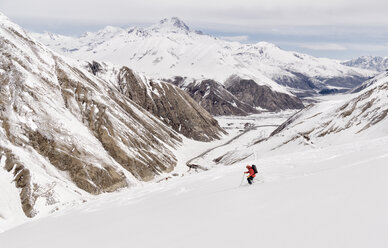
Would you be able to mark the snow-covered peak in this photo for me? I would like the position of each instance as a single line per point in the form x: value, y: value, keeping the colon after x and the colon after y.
x: 52, y: 36
x: 173, y: 23
x: 6, y: 22
x: 103, y: 34
x: 110, y: 30
x: 2, y: 17
x: 265, y: 44
x: 375, y: 63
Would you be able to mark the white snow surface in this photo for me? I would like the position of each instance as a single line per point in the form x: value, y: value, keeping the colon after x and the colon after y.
x: 329, y: 197
x: 170, y: 48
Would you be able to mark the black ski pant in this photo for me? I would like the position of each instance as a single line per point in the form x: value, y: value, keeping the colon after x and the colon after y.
x: 250, y: 179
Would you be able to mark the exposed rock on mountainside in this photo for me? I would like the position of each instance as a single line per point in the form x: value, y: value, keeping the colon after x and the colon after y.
x: 66, y: 134
x: 250, y: 92
x: 165, y: 101
x: 176, y: 108
x: 216, y: 99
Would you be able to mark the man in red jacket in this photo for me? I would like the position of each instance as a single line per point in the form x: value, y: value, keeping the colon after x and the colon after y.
x: 251, y: 173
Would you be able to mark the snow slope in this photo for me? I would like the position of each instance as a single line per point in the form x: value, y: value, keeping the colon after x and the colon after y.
x: 170, y: 48
x: 331, y: 197
x: 337, y: 120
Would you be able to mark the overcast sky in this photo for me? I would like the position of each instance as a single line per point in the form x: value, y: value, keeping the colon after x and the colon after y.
x: 341, y: 29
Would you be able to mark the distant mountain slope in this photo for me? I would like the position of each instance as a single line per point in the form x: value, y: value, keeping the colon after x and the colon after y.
x: 170, y: 48
x: 66, y: 134
x: 374, y: 63
x: 345, y: 119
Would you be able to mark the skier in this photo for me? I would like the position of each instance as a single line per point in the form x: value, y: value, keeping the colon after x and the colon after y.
x: 251, y: 173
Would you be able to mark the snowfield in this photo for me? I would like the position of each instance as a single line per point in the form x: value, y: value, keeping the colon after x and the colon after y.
x: 328, y: 197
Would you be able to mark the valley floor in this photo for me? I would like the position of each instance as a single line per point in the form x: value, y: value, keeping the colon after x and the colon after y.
x: 326, y: 197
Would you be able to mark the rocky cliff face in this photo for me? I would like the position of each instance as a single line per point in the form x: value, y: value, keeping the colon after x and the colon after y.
x: 261, y: 96
x: 66, y: 134
x: 174, y: 106
x: 164, y: 100
x: 216, y: 99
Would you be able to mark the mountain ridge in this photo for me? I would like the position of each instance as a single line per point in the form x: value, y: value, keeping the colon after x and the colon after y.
x: 375, y: 63
x: 159, y: 51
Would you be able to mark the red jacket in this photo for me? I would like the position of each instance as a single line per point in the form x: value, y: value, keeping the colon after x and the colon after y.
x: 251, y: 172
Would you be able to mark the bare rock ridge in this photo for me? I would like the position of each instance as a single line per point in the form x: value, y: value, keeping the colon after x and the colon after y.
x: 165, y: 101
x: 261, y: 96
x: 237, y: 96
x: 217, y: 100
x: 66, y: 134
x: 175, y: 106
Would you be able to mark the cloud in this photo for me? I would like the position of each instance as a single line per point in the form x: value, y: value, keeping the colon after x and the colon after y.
x: 239, y: 38
x: 367, y: 47
x: 320, y: 27
x: 246, y: 14
x: 323, y: 46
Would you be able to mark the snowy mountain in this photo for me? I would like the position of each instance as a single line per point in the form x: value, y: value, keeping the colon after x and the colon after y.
x: 171, y: 49
x: 67, y: 135
x: 373, y: 63
x: 338, y: 120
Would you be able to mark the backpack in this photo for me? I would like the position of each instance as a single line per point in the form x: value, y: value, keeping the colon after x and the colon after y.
x: 254, y: 168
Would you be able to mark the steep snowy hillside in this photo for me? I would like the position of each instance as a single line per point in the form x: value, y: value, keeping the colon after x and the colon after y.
x: 369, y: 62
x: 332, y: 197
x: 337, y: 120
x: 170, y: 48
x: 66, y: 134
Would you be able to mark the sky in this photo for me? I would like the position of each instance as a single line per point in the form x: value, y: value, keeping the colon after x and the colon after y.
x: 340, y: 29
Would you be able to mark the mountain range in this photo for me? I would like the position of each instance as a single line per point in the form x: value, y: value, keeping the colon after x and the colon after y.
x: 375, y: 63
x: 171, y: 51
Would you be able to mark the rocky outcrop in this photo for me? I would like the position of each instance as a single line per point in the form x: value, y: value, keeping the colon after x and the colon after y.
x: 261, y: 96
x: 213, y: 96
x: 22, y: 179
x: 174, y: 106
x: 164, y: 100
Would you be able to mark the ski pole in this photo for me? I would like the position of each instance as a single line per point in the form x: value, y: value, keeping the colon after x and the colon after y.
x: 242, y: 179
